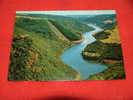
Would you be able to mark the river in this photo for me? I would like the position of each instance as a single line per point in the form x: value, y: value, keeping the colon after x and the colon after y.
x: 72, y: 56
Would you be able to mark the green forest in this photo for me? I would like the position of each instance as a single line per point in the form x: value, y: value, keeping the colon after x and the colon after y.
x: 106, y: 50
x: 38, y: 42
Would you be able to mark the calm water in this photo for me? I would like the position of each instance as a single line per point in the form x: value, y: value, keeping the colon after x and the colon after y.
x: 72, y: 56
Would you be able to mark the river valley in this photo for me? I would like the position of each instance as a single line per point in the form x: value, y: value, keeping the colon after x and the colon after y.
x: 73, y: 57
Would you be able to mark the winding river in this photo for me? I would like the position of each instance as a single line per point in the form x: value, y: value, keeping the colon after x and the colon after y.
x: 72, y: 56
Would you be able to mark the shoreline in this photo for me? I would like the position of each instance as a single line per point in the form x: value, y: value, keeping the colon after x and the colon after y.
x: 78, y: 76
x: 78, y: 41
x: 72, y: 43
x: 97, y: 32
x: 115, y: 69
x: 110, y: 73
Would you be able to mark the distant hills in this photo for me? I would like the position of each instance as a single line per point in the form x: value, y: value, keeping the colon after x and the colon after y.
x: 70, y: 27
x: 106, y: 21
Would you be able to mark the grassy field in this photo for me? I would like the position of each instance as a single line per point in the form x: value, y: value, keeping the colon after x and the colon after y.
x: 36, y: 49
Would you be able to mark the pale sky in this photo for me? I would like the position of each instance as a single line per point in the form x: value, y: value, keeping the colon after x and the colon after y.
x: 72, y: 12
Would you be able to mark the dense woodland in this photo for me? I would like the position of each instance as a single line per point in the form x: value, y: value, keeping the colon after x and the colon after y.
x: 40, y: 40
x: 106, y: 50
x: 38, y: 44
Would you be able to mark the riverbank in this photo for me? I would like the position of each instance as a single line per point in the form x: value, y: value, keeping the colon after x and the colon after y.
x: 94, y: 33
x: 78, y: 41
x: 114, y: 71
x: 78, y: 76
x: 72, y: 56
x: 36, y: 51
x: 108, y: 53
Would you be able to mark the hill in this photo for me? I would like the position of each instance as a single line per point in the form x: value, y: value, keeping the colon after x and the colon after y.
x: 37, y: 46
x: 113, y: 37
x: 107, y: 21
x: 70, y: 27
x: 106, y: 50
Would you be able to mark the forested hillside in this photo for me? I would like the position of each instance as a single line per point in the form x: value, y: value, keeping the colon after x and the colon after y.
x: 70, y: 27
x: 37, y: 45
x: 106, y: 50
x: 104, y: 21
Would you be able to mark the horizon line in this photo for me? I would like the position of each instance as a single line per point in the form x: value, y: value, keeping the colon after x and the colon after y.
x: 70, y: 12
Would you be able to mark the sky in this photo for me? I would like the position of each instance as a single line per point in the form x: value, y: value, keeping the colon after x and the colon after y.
x: 72, y: 12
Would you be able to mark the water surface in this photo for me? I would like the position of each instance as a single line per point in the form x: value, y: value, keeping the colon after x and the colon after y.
x: 72, y: 56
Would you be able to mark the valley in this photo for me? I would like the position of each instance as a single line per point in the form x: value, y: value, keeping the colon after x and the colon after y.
x: 48, y: 47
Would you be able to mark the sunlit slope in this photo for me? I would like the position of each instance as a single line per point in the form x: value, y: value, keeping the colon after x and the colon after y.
x: 36, y: 50
x: 107, y: 46
x: 70, y: 27
x: 114, y: 36
x: 106, y: 50
x: 57, y: 32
